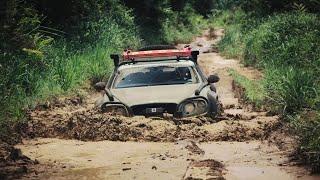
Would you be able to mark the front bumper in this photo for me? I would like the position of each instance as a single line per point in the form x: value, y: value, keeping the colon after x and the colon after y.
x: 158, y: 109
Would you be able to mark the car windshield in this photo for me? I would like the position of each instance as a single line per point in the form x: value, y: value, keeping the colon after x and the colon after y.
x: 156, y: 75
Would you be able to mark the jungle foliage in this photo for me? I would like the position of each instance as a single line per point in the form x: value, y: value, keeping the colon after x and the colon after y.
x: 55, y: 47
x: 282, y: 38
x: 48, y: 48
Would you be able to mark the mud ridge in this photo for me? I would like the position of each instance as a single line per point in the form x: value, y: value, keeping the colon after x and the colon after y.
x: 92, y: 125
x: 194, y: 148
x: 205, y: 169
x: 12, y: 163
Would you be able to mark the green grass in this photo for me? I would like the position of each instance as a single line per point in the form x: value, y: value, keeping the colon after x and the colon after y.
x: 182, y: 27
x: 254, y: 90
x: 59, y: 66
x: 173, y: 27
x: 286, y: 47
x: 231, y: 45
x: 307, y: 126
x: 285, y: 39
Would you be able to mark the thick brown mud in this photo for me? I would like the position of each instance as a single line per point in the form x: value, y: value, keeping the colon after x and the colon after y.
x: 92, y: 125
x: 80, y: 142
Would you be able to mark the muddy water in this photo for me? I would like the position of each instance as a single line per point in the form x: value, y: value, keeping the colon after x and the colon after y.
x: 142, y: 160
x: 163, y: 149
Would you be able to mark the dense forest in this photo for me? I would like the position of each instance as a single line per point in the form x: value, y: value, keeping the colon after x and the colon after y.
x: 56, y: 47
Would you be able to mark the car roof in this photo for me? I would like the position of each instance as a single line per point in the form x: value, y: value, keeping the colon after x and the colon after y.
x: 181, y: 63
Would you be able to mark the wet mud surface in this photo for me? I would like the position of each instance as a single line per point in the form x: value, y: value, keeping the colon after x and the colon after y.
x: 79, y: 142
x: 12, y: 162
x: 92, y: 125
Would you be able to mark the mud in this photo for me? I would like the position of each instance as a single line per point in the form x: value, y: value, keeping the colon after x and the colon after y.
x: 94, y: 126
x: 242, y: 143
x: 12, y: 163
x: 161, y: 160
x: 205, y: 169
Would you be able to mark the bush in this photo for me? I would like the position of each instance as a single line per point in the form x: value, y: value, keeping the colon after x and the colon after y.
x: 182, y: 27
x: 52, y: 67
x: 231, y: 45
x: 307, y: 125
x: 285, y: 39
x: 287, y: 48
x: 44, y: 57
x: 291, y: 89
x: 254, y: 93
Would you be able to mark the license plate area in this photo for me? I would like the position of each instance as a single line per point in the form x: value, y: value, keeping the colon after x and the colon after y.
x: 158, y: 110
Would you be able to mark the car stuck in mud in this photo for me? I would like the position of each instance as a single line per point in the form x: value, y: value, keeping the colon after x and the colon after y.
x: 153, y: 82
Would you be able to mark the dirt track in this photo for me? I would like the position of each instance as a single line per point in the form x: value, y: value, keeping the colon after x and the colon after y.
x: 238, y: 145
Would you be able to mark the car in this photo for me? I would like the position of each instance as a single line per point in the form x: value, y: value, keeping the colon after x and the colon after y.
x: 154, y: 82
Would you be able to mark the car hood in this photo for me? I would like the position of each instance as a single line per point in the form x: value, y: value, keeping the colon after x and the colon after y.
x: 155, y: 94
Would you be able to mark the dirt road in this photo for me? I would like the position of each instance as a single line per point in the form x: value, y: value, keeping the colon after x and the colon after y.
x: 93, y: 146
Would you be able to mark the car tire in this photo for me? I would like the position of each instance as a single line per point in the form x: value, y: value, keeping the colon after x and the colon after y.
x: 216, y: 109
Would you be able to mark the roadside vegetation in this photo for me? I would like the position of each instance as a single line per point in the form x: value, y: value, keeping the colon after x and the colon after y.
x: 52, y: 48
x: 254, y: 90
x: 282, y: 39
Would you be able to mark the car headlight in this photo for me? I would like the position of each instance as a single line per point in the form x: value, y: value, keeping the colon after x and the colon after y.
x: 189, y: 108
x: 115, y: 109
x: 202, y: 105
x: 192, y: 107
x: 120, y: 111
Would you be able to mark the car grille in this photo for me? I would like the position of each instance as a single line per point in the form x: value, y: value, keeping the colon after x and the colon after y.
x: 141, y: 109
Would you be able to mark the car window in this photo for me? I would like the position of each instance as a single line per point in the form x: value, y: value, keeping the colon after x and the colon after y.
x: 152, y: 76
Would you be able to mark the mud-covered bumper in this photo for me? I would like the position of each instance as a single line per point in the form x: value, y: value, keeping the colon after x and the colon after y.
x: 196, y: 106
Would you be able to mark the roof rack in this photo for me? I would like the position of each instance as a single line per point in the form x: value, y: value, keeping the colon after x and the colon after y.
x: 129, y: 56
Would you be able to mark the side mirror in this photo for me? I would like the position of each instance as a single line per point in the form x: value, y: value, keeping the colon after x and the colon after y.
x: 100, y: 86
x: 213, y: 79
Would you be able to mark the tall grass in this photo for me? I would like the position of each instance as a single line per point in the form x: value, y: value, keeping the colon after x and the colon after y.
x: 307, y: 126
x: 255, y: 92
x: 187, y: 25
x: 53, y: 66
x: 36, y: 75
x: 174, y: 27
x: 287, y: 48
x: 231, y: 45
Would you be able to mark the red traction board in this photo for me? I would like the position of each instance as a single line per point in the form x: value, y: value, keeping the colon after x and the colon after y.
x: 131, y: 55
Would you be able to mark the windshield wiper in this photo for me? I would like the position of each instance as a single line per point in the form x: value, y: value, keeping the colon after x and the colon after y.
x: 165, y: 67
x: 173, y: 83
x: 157, y: 84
